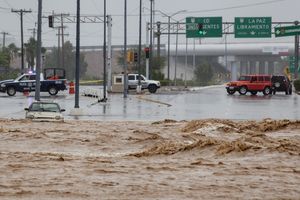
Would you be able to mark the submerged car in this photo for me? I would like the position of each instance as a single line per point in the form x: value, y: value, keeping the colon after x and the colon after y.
x: 44, y: 111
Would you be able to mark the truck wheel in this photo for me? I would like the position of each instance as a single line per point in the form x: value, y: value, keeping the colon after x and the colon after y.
x: 152, y: 88
x: 52, y: 90
x: 231, y: 92
x: 11, y: 91
x: 243, y: 90
x: 267, y: 91
x: 287, y: 91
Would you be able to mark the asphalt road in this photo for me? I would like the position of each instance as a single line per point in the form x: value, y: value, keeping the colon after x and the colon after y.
x: 209, y: 102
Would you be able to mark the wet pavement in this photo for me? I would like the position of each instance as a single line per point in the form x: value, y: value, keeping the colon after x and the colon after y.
x: 202, y: 103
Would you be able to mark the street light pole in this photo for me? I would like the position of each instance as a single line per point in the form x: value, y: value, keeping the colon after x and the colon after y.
x: 175, y: 75
x: 151, y: 39
x: 77, y: 70
x: 38, y: 53
x: 125, y: 51
x: 104, y: 55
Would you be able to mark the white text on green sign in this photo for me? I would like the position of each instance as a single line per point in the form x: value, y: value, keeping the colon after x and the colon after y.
x: 203, y: 27
x: 252, y: 27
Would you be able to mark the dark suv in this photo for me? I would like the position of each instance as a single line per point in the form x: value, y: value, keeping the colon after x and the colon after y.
x: 281, y: 83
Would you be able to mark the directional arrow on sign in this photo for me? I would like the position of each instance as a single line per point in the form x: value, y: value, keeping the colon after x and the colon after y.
x: 287, y: 31
x: 252, y: 33
x: 278, y: 32
x: 204, y: 32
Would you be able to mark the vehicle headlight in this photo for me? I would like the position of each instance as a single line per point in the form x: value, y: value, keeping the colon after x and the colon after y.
x: 3, y: 85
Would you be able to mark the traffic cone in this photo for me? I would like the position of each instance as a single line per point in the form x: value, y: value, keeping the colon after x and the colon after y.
x: 25, y: 92
x: 71, y: 88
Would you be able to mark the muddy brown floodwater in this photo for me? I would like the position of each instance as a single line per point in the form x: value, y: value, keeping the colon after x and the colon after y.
x: 203, y: 159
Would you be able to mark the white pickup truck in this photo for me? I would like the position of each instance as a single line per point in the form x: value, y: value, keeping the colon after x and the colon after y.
x: 151, y: 85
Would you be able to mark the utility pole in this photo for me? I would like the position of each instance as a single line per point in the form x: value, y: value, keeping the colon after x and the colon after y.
x: 158, y: 33
x: 33, y: 32
x: 62, y: 42
x: 3, y: 44
x: 109, y: 69
x: 61, y: 35
x: 21, y: 12
x: 58, y: 46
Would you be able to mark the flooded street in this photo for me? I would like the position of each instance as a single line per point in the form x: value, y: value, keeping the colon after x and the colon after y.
x: 202, y: 159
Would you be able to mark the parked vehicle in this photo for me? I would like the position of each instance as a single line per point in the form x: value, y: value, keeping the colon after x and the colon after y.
x: 44, y: 111
x: 281, y: 83
x: 53, y: 81
x: 151, y: 85
x: 252, y: 84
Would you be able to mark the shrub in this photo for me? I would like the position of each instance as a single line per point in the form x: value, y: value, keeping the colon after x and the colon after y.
x: 297, y: 84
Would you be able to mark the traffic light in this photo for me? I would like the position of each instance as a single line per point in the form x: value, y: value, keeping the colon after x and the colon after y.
x: 200, y: 28
x: 135, y: 59
x: 50, y: 21
x: 130, y: 56
x: 147, y: 52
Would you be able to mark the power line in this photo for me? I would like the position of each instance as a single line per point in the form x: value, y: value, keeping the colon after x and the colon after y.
x: 236, y: 7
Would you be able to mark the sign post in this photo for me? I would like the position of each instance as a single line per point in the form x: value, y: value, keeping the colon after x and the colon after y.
x: 252, y: 27
x: 203, y: 27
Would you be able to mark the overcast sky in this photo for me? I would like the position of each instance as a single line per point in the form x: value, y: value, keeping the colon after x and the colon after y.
x: 92, y: 34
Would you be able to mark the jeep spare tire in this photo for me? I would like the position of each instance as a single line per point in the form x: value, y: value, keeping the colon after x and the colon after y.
x: 277, y: 84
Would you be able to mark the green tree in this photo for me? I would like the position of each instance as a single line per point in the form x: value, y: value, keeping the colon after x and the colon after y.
x: 4, y: 58
x: 31, y: 48
x: 13, y: 51
x: 204, y: 73
x: 69, y: 61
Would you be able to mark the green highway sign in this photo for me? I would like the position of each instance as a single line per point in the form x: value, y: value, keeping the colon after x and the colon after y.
x: 292, y: 63
x: 287, y: 31
x: 203, y: 27
x: 252, y: 27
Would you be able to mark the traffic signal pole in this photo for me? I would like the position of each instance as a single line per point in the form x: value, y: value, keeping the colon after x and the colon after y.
x: 125, y: 91
x: 296, y: 53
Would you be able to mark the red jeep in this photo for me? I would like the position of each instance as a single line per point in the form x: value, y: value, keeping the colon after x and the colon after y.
x: 252, y: 84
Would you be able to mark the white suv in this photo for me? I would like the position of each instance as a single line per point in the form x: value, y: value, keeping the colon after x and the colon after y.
x: 151, y: 85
